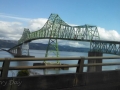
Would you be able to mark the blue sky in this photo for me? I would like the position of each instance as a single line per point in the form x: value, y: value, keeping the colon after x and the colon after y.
x: 102, y: 13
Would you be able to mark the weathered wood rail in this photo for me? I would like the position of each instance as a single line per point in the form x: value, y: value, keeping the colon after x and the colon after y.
x: 6, y: 62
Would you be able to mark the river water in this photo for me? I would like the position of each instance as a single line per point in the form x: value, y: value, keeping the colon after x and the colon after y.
x: 41, y: 53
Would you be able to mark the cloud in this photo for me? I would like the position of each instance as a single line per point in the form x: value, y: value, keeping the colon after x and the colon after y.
x: 10, y: 30
x: 13, y: 31
x: 36, y: 24
x: 14, y: 17
x: 73, y: 43
x: 72, y: 24
x: 111, y: 35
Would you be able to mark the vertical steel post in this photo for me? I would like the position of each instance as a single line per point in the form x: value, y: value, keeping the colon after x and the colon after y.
x: 52, y: 43
x: 52, y: 47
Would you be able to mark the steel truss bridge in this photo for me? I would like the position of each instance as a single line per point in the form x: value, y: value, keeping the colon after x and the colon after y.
x: 55, y: 28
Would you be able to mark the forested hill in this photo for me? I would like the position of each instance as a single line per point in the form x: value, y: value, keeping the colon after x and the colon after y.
x: 40, y: 46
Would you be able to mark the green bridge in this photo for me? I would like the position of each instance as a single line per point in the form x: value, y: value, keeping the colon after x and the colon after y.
x: 55, y: 28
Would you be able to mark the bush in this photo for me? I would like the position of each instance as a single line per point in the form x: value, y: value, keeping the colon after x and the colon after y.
x: 23, y: 73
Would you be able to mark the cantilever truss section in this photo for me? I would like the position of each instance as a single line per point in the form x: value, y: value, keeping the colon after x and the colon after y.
x: 25, y: 35
x: 110, y: 47
x: 55, y: 28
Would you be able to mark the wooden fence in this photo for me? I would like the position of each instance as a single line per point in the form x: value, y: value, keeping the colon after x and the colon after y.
x: 6, y: 63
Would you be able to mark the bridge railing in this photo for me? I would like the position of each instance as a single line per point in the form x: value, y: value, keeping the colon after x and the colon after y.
x: 6, y: 63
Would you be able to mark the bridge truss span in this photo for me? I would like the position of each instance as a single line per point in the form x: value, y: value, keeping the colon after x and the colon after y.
x: 109, y: 47
x: 55, y: 27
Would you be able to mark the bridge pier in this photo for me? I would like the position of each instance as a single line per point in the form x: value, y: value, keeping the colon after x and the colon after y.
x: 25, y: 49
x: 14, y: 51
x: 94, y: 68
x: 19, y: 53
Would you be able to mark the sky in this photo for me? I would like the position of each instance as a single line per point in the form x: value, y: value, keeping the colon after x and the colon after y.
x: 15, y: 15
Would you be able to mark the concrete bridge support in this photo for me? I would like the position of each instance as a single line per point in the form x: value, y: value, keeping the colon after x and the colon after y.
x: 19, y: 51
x: 25, y: 49
x: 14, y: 51
x: 94, y: 68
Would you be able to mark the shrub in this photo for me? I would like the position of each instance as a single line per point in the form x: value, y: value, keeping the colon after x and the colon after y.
x: 23, y: 73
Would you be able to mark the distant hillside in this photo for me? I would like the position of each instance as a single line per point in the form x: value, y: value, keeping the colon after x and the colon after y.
x: 7, y: 43
x: 41, y: 46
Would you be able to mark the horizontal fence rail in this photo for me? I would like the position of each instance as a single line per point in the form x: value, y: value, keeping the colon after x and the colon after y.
x: 41, y: 67
x: 58, y: 58
x: 6, y: 62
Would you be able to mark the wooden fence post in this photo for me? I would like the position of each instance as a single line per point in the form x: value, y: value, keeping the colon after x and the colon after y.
x: 5, y: 68
x: 81, y: 64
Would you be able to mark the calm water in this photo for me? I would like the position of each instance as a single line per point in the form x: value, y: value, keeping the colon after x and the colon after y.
x: 41, y: 53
